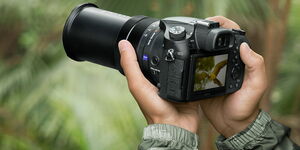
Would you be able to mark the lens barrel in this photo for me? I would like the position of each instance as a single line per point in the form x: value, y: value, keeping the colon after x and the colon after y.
x: 91, y: 34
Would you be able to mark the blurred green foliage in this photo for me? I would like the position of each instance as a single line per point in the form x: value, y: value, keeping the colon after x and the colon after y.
x: 50, y: 102
x: 286, y: 96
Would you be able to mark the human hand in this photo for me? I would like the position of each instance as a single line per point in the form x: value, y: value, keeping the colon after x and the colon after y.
x: 233, y: 113
x: 155, y: 109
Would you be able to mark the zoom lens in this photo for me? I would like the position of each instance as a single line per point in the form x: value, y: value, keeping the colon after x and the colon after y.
x: 90, y: 34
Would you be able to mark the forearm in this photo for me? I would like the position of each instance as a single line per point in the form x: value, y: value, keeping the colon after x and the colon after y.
x: 263, y: 133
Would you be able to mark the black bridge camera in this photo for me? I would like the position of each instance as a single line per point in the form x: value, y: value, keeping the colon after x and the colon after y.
x: 186, y: 58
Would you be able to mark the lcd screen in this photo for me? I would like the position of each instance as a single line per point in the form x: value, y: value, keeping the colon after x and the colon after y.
x: 210, y: 72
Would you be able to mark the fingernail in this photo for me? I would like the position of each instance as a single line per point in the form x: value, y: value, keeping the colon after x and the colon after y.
x: 245, y: 45
x: 123, y: 45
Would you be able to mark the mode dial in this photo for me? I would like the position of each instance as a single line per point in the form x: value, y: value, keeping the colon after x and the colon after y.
x: 177, y: 33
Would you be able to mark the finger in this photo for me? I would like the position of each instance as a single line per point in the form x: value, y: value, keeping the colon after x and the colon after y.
x: 255, y: 66
x: 224, y: 22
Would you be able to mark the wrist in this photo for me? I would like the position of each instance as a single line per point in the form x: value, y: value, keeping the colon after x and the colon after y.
x: 189, y: 125
x: 251, y: 136
x: 233, y: 127
x: 164, y: 133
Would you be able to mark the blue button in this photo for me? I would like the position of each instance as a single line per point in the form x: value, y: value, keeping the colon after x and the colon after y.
x: 145, y: 57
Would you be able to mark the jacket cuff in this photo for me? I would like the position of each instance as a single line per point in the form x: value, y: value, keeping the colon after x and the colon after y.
x: 165, y: 132
x: 247, y: 138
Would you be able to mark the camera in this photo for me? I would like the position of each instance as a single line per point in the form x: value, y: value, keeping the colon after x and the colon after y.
x: 186, y: 58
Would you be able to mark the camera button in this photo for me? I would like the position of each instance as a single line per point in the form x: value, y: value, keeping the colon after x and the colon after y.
x: 177, y: 33
x: 235, y: 72
x: 230, y: 86
x: 235, y: 42
x: 234, y: 60
x: 236, y: 85
x: 154, y: 60
x: 236, y: 57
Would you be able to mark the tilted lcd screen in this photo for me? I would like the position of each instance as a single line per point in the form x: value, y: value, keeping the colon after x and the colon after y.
x: 210, y: 72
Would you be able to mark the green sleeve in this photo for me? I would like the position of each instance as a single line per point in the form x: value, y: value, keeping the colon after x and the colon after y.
x: 262, y: 134
x: 168, y: 137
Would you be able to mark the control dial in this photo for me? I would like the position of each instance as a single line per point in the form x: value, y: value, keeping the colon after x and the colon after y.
x: 177, y: 33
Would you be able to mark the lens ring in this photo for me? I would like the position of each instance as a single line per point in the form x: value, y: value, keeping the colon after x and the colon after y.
x: 67, y: 28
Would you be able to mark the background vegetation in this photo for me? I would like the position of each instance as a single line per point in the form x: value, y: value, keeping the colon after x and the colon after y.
x: 49, y: 102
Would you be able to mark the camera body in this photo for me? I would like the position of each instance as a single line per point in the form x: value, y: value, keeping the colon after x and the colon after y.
x: 194, y: 59
x: 187, y: 58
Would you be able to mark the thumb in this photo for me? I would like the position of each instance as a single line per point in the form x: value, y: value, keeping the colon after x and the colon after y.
x: 255, y: 66
x: 137, y: 83
x: 141, y: 89
x: 129, y: 62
